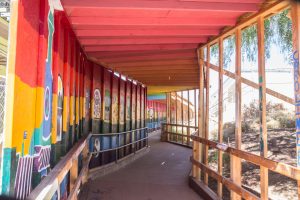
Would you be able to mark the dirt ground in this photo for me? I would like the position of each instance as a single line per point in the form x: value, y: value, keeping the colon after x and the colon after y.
x: 282, y: 148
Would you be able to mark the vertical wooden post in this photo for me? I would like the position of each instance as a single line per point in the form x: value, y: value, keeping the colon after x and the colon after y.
x: 196, y: 145
x: 195, y: 96
x: 201, y: 102
x: 235, y: 162
x: 73, y: 173
x: 169, y: 108
x: 176, y: 119
x: 207, y: 112
x: 295, y: 13
x: 262, y: 107
x: 188, y: 129
x: 182, y: 118
x: 220, y: 115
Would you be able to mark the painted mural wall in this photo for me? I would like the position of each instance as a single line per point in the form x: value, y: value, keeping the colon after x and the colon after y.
x: 156, y: 113
x: 56, y: 96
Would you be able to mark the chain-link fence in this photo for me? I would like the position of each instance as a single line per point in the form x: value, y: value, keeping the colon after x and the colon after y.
x: 2, y: 100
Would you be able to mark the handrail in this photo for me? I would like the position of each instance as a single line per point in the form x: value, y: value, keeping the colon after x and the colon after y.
x: 50, y: 185
x: 167, y: 133
x: 110, y: 134
x: 182, y: 125
x: 277, y: 167
x: 118, y: 134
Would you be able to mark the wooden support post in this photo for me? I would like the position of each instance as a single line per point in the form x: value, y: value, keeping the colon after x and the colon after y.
x: 295, y: 13
x: 201, y: 103
x: 220, y: 115
x: 235, y: 162
x: 196, y: 146
x: 195, y: 96
x: 207, y: 113
x: 262, y: 107
x: 176, y: 99
x: 182, y: 118
x: 73, y: 173
x: 188, y: 129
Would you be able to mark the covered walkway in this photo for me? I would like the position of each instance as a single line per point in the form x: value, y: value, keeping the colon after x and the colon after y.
x: 160, y: 174
x: 87, y: 81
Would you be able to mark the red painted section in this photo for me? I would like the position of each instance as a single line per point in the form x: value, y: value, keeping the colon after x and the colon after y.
x: 158, y: 63
x: 122, y: 32
x: 138, y: 13
x: 145, y: 31
x: 77, y: 87
x: 27, y: 60
x: 140, y: 47
x: 150, y: 57
x: 58, y: 53
x: 162, y: 5
x: 72, y: 67
x: 43, y: 42
x: 115, y: 54
x: 157, y: 40
x: 88, y: 83
x: 67, y: 68
x: 153, y: 21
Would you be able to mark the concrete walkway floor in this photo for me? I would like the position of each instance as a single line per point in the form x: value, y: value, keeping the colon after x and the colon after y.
x: 160, y: 174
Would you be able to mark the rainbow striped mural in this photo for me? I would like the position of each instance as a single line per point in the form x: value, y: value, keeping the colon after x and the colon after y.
x: 55, y: 96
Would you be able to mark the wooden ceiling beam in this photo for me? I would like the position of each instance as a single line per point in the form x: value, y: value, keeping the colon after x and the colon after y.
x: 140, y: 47
x: 188, y: 55
x: 142, y: 31
x: 162, y: 5
x: 150, y: 21
x: 157, y: 40
x: 156, y: 63
x: 155, y: 68
x: 164, y: 72
x: 115, y: 54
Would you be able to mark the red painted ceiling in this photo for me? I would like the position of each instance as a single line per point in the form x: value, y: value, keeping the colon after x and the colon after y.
x: 152, y: 41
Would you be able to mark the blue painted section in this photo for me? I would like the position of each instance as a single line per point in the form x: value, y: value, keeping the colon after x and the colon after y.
x: 157, y: 97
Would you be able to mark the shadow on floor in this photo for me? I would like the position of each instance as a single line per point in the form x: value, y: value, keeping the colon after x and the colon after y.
x: 160, y: 174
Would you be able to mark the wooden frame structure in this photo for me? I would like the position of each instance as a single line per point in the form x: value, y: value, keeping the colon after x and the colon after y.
x: 177, y: 131
x: 236, y: 154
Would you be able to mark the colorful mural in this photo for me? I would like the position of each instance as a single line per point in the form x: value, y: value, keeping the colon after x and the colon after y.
x: 97, y: 104
x: 115, y: 104
x: 60, y: 95
x: 50, y: 93
x: 156, y: 113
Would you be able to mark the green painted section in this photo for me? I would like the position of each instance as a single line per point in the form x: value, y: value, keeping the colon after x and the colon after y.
x: 9, y: 169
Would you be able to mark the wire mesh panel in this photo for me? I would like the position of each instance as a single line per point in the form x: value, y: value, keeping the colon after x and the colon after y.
x: 2, y: 108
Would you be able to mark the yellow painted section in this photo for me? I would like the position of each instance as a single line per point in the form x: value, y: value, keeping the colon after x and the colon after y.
x: 77, y: 110
x: 81, y: 108
x: 24, y: 116
x: 72, y: 102
x: 54, y: 119
x: 66, y: 114
x: 162, y: 89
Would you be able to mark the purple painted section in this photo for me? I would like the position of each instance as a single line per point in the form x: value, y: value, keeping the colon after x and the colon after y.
x: 41, y: 158
x: 23, y: 177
